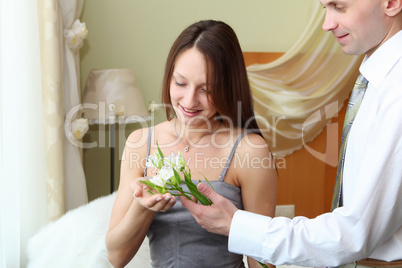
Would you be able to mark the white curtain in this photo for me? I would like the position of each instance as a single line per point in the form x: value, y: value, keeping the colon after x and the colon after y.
x: 297, y: 95
x: 36, y: 66
x: 74, y: 33
x: 22, y: 159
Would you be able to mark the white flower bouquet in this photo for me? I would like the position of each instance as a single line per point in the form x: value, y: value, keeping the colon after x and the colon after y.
x: 168, y: 178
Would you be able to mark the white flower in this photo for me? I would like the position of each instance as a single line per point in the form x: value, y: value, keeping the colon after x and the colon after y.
x: 150, y: 161
x: 170, y: 160
x: 169, y: 179
x: 176, y: 161
x: 154, y: 161
x: 112, y: 108
x: 75, y: 35
x: 181, y: 163
x: 79, y: 128
x: 166, y: 173
x: 158, y: 180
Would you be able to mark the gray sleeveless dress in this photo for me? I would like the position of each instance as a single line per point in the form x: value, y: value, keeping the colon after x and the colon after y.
x: 176, y: 240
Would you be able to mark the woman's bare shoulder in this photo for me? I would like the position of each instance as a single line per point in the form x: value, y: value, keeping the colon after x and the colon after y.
x: 251, y: 140
x: 143, y: 133
x: 253, y: 146
x: 139, y: 138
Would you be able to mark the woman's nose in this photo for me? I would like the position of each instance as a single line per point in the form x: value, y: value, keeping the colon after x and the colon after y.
x: 191, y: 98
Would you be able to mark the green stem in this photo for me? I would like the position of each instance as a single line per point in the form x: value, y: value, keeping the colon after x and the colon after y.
x: 183, y: 195
x: 177, y: 188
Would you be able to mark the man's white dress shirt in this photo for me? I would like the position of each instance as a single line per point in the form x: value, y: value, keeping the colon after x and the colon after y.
x: 370, y: 222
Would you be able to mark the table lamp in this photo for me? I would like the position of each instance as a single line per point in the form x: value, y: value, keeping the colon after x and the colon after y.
x: 115, y: 95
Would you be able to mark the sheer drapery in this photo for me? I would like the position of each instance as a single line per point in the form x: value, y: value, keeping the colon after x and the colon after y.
x: 61, y: 35
x: 74, y: 33
x: 22, y: 161
x: 51, y: 48
x: 296, y: 96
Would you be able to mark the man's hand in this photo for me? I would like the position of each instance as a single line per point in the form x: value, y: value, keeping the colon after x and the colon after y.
x: 215, y: 218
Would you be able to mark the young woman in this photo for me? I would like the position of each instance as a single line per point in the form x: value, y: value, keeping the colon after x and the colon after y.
x: 211, y: 121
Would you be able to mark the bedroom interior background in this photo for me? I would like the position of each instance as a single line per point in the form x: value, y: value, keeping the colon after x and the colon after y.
x: 37, y: 194
x: 311, y: 54
x: 138, y: 36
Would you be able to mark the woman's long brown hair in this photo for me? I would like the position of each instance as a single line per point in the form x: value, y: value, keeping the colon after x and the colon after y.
x: 226, y: 71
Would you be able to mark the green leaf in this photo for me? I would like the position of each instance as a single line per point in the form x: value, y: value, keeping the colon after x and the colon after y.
x: 159, y: 151
x: 177, y: 178
x: 194, y: 191
x: 149, y: 184
x: 161, y: 190
x: 207, y: 181
x: 152, y: 193
x: 155, y: 165
x: 187, y: 176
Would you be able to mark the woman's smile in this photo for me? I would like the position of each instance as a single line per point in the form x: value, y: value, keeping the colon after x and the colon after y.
x: 190, y: 112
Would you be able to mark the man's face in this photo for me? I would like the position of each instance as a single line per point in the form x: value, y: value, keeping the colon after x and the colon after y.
x: 360, y: 26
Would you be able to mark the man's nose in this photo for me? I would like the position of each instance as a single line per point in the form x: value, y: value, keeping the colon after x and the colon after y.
x: 329, y: 23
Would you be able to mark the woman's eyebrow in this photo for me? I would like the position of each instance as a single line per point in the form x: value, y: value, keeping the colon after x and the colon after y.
x: 178, y: 74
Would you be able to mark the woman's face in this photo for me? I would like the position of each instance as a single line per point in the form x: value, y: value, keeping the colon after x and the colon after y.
x: 188, y: 89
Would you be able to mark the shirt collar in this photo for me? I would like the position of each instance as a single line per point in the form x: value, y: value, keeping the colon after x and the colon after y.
x: 377, y: 66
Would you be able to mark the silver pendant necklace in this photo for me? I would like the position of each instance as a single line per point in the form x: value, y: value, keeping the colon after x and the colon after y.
x: 187, y: 147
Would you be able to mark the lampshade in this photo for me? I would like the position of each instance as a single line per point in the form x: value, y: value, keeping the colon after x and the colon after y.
x: 110, y: 93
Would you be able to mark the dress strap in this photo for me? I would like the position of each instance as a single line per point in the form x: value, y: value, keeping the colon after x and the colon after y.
x: 148, y: 148
x: 225, y: 169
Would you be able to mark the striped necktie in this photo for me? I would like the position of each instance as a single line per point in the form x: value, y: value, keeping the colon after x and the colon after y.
x: 353, y: 106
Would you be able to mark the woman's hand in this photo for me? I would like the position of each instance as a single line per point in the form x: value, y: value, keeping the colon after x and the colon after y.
x: 156, y: 202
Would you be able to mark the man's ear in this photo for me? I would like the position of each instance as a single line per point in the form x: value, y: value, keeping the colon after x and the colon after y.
x: 393, y: 7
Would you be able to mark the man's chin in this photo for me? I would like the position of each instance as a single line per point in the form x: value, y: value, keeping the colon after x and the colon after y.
x: 348, y: 50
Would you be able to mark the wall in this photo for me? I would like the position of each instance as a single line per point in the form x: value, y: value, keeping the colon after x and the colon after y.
x: 137, y: 34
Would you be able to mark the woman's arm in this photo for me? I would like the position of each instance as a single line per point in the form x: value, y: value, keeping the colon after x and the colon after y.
x: 131, y: 217
x: 257, y: 179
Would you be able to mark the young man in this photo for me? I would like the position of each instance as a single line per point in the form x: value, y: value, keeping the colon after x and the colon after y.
x: 369, y: 224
